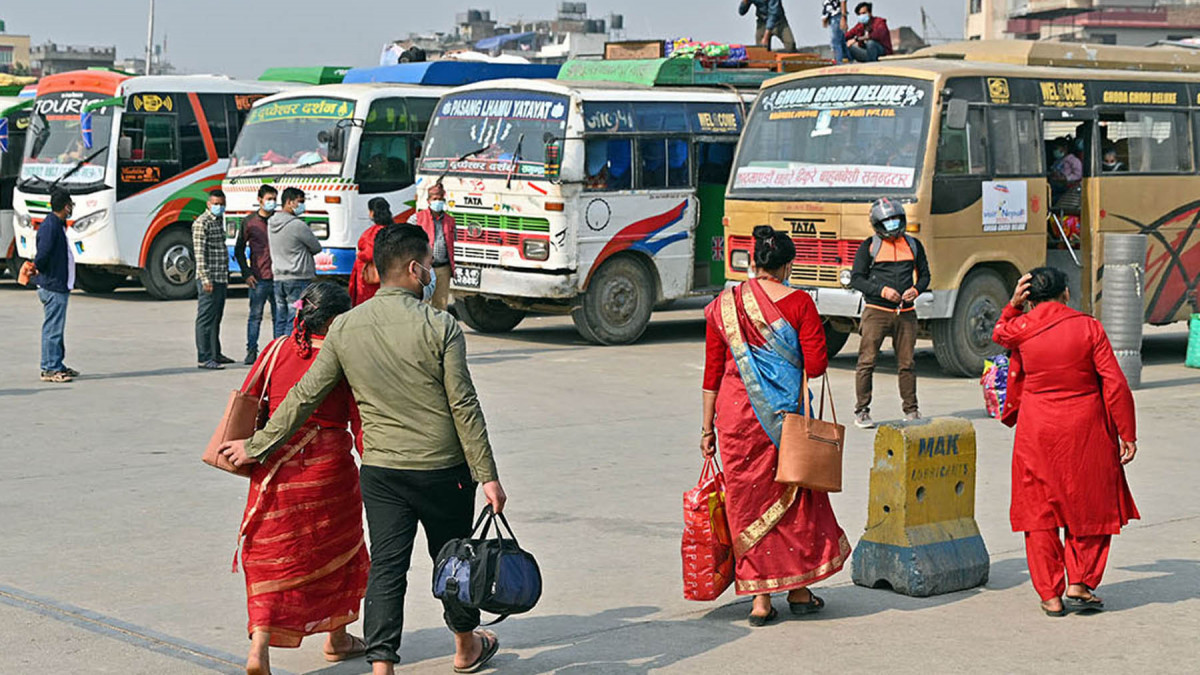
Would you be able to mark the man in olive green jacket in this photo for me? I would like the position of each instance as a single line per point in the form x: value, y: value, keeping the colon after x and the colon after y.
x: 425, y: 442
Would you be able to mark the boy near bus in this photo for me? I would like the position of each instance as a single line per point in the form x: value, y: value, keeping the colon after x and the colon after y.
x: 890, y: 270
x: 869, y: 38
x: 257, y: 270
x: 769, y: 21
x: 293, y: 250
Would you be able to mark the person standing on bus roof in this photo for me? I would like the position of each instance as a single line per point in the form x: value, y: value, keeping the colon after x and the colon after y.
x: 769, y: 21
x: 55, y: 265
x: 439, y: 227
x: 212, y: 281
x: 869, y: 38
x: 833, y: 17
x: 293, y: 247
x: 257, y: 270
x: 890, y: 270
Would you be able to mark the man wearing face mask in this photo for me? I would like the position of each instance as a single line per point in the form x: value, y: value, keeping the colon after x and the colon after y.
x: 257, y: 270
x: 869, y: 38
x: 439, y: 227
x: 293, y: 247
x: 425, y: 440
x: 212, y: 280
x: 890, y: 270
x: 54, y: 265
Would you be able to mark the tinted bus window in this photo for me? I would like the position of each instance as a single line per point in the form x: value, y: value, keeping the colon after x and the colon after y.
x: 385, y: 157
x: 609, y: 163
x: 963, y: 151
x: 1014, y: 142
x: 213, y: 106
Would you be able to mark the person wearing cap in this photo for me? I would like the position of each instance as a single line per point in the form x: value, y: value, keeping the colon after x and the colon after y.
x: 890, y: 270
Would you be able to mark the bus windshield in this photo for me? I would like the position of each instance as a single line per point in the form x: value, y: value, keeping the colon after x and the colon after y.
x: 845, y: 136
x: 479, y: 132
x: 283, y: 136
x: 54, y: 149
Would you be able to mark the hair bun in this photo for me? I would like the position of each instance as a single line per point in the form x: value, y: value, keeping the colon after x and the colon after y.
x: 764, y: 233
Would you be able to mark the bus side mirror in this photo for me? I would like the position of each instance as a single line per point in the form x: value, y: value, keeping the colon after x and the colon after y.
x: 956, y: 114
x: 552, y: 165
x: 124, y: 147
x: 335, y: 143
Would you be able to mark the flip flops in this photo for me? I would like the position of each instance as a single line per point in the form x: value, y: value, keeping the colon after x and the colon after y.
x: 760, y: 621
x: 491, y: 645
x: 814, y: 604
x: 357, y: 648
x: 1091, y: 604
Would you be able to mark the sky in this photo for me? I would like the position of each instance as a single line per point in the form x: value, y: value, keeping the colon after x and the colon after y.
x: 243, y: 37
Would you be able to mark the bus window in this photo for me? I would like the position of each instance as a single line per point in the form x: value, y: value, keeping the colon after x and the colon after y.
x: 714, y: 162
x: 155, y: 152
x: 608, y: 162
x: 213, y: 106
x: 1013, y: 132
x: 963, y: 151
x: 664, y: 163
x: 385, y: 161
x: 420, y: 111
x: 1148, y: 142
x: 191, y: 140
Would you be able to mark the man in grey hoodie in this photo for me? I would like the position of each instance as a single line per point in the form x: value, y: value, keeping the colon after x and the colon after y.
x: 293, y: 246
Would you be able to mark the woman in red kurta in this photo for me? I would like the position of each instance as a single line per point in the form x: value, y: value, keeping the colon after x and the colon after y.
x: 364, y: 278
x: 1076, y: 428
x: 761, y: 335
x: 302, y: 535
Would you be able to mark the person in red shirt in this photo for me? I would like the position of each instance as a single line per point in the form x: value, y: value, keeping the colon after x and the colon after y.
x: 364, y: 278
x: 1076, y: 431
x: 869, y: 38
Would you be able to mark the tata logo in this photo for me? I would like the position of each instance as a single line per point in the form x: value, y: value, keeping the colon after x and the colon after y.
x: 152, y: 103
x: 472, y: 200
x: 805, y: 227
x: 475, y: 230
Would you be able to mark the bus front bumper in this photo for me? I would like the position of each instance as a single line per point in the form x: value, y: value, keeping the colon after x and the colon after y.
x: 847, y: 303
x: 509, y: 283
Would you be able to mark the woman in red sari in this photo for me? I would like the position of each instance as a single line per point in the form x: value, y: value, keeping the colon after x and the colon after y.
x: 761, y: 334
x: 302, y: 535
x: 364, y: 278
x: 1076, y: 429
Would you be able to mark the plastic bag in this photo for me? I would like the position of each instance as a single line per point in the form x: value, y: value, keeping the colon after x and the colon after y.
x: 707, y: 548
x: 995, y: 384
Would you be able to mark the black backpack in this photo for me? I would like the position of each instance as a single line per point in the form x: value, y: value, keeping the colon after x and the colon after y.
x: 493, y: 575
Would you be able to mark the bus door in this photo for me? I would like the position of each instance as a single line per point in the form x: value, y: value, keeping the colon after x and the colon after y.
x: 1069, y: 145
x: 714, y: 162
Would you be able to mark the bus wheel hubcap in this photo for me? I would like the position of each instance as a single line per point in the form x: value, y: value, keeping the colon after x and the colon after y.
x: 619, y: 301
x: 177, y: 264
x: 982, y: 322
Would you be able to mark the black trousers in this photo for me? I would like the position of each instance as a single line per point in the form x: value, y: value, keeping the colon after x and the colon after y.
x: 443, y: 502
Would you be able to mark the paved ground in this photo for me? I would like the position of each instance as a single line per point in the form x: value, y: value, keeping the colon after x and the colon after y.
x: 117, y: 542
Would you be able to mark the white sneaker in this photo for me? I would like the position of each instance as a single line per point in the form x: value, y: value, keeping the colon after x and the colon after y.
x: 913, y: 416
x: 863, y: 420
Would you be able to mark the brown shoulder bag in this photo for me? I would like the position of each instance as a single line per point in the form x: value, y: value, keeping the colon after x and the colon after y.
x: 810, y: 449
x: 244, y: 414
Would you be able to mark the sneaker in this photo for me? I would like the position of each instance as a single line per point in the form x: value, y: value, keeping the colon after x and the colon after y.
x: 223, y: 360
x: 251, y: 357
x: 56, y: 376
x: 912, y: 416
x: 863, y: 420
x: 210, y: 365
x: 70, y: 371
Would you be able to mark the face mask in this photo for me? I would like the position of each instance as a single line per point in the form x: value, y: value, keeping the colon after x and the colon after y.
x: 891, y: 225
x: 437, y: 205
x: 269, y: 206
x: 217, y: 210
x: 1059, y: 154
x: 427, y: 289
x: 864, y: 18
x: 300, y: 208
x: 1109, y: 165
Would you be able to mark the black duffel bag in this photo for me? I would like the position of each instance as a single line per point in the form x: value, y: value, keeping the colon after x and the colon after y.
x: 493, y: 575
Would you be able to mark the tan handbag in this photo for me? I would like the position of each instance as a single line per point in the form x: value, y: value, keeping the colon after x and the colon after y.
x: 810, y: 449
x: 243, y: 416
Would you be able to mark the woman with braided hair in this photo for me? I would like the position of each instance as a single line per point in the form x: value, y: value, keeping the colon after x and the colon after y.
x: 302, y: 536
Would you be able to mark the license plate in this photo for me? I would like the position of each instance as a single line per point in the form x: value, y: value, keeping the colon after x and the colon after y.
x: 467, y: 277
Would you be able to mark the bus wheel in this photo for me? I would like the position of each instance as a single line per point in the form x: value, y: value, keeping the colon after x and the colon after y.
x: 963, y: 341
x: 94, y: 280
x: 616, y: 308
x: 170, y: 272
x: 834, y: 340
x: 487, y: 316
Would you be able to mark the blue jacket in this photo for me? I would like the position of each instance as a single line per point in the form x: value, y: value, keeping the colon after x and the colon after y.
x: 770, y: 11
x: 52, y: 256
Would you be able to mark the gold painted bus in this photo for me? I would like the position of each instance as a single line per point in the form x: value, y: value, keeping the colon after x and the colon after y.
x: 965, y: 135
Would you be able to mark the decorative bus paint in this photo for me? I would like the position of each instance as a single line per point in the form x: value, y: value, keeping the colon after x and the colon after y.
x: 14, y: 120
x: 594, y: 198
x: 159, y: 145
x: 820, y: 146
x: 381, y: 115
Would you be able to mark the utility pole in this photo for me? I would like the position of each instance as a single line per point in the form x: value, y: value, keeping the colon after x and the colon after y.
x: 150, y: 39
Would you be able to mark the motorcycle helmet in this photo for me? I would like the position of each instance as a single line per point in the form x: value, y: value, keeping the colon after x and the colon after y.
x: 887, y: 218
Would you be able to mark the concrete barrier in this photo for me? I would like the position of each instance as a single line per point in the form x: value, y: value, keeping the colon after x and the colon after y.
x: 921, y: 537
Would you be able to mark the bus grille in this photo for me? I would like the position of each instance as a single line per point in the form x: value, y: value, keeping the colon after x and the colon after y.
x: 818, y: 259
x: 498, y: 221
x: 476, y: 254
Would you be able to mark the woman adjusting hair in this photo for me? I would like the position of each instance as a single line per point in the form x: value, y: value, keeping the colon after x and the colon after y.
x: 1076, y: 429
x: 762, y: 337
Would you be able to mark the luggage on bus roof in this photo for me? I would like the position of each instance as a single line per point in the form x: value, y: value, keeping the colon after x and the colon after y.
x: 449, y: 73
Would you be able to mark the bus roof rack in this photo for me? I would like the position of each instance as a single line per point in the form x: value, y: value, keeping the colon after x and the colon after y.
x: 305, y: 75
x: 1168, y: 58
x: 677, y: 72
x: 449, y: 73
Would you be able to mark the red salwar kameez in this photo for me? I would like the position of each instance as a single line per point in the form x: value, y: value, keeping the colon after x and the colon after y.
x: 361, y: 290
x: 302, y: 551
x: 1070, y: 402
x: 784, y: 537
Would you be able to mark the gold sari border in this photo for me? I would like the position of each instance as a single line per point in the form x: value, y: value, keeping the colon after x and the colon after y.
x: 332, y: 566
x: 798, y: 581
x: 754, y: 532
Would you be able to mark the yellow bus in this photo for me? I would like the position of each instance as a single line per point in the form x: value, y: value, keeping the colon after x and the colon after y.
x: 966, y: 135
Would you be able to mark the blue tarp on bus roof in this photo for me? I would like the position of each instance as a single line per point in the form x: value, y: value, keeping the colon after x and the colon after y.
x: 449, y: 73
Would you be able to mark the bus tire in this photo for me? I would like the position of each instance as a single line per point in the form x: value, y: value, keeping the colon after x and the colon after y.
x: 618, y: 303
x: 170, y: 272
x: 95, y: 280
x: 963, y: 341
x: 487, y: 316
x: 834, y: 340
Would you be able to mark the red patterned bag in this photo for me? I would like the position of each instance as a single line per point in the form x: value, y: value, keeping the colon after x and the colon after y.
x: 707, y: 548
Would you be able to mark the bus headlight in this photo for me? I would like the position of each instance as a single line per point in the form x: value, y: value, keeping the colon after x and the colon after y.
x: 89, y: 220
x: 24, y: 220
x: 844, y: 278
x: 536, y: 249
x: 739, y: 260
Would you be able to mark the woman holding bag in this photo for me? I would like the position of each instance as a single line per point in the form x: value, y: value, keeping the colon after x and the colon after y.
x: 761, y: 335
x: 302, y: 535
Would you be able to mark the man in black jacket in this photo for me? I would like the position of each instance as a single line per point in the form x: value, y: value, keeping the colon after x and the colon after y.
x: 890, y: 270
x: 55, y: 264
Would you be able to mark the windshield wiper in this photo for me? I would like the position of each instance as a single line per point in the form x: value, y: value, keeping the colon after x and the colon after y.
x: 516, y: 159
x: 26, y: 183
x: 467, y: 156
x: 78, y: 166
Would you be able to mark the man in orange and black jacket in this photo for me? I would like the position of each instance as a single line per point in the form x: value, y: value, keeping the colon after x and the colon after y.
x: 890, y: 270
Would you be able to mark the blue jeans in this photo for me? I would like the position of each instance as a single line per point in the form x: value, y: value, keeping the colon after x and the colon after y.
x: 262, y: 294
x: 209, y: 311
x: 54, y: 322
x: 871, y: 52
x: 837, y: 39
x: 286, y: 294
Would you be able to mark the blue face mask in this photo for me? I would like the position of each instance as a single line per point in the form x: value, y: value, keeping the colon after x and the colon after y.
x: 300, y: 208
x: 864, y: 18
x: 217, y: 210
x: 437, y: 205
x: 1059, y: 153
x: 427, y: 289
x: 269, y: 206
x: 892, y: 225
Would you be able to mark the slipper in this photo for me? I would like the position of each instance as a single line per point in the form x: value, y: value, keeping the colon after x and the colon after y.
x: 1052, y: 612
x: 358, y: 648
x: 1092, y: 603
x: 491, y: 645
x: 759, y: 621
x: 814, y: 604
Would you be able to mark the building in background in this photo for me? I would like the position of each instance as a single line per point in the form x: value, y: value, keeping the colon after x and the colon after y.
x: 14, y: 52
x: 987, y: 19
x: 1113, y: 22
x: 50, y: 58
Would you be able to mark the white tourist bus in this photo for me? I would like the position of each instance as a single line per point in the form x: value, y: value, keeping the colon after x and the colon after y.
x: 14, y: 120
x: 585, y: 195
x: 139, y: 155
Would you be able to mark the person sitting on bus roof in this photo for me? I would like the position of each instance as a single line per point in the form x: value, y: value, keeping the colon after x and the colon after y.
x: 869, y: 38
x: 1111, y: 164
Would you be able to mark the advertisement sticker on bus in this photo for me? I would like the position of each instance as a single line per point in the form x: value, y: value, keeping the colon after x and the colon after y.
x: 1005, y: 206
